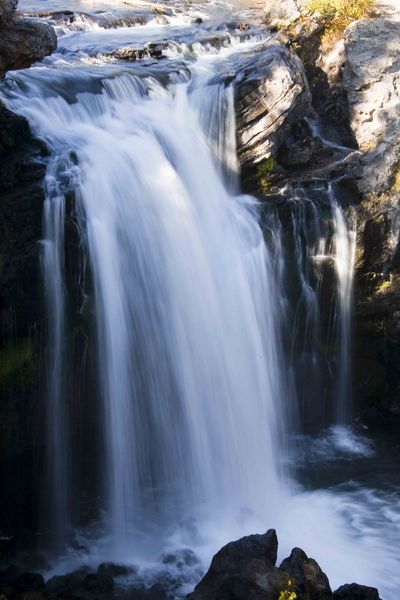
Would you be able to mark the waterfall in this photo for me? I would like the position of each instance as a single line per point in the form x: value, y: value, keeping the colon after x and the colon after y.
x: 206, y: 348
x: 184, y: 295
x: 345, y: 244
x: 57, y: 419
x: 316, y: 281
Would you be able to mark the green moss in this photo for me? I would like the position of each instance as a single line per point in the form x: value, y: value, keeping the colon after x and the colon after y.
x: 19, y: 365
x: 6, y: 141
x: 265, y: 171
x: 287, y: 595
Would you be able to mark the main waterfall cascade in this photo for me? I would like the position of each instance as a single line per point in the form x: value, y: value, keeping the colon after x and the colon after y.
x: 198, y: 362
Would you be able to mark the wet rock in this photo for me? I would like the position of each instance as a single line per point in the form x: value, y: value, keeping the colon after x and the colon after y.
x: 124, y: 53
x: 238, y: 567
x: 371, y: 81
x: 22, y: 169
x: 27, y: 582
x: 181, y: 558
x: 68, y: 584
x: 308, y: 580
x: 353, y: 591
x: 271, y: 94
x: 100, y: 583
x: 299, y: 146
x: 115, y: 570
x: 8, y: 578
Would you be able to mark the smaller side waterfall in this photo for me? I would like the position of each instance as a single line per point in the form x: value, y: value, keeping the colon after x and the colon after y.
x: 316, y: 279
x: 345, y: 249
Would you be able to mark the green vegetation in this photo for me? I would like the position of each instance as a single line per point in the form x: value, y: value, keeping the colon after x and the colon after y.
x: 287, y: 595
x: 19, y: 366
x: 265, y: 171
x: 338, y: 14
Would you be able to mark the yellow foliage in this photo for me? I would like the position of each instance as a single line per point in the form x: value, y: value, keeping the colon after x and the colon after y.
x: 287, y: 595
x: 396, y: 178
x: 338, y: 14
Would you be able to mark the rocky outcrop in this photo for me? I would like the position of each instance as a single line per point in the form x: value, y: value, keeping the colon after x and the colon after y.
x: 271, y: 95
x: 23, y: 41
x: 247, y: 569
x: 354, y: 85
x: 372, y: 83
x: 377, y: 313
x: 281, y: 13
x: 22, y: 169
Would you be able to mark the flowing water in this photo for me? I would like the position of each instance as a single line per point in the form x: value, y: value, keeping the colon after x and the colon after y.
x: 192, y: 392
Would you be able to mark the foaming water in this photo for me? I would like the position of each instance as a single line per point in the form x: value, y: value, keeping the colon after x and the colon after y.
x: 185, y: 296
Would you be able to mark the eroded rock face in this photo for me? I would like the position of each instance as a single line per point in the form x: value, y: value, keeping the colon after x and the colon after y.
x: 22, y: 169
x: 372, y: 82
x: 272, y: 93
x: 23, y: 41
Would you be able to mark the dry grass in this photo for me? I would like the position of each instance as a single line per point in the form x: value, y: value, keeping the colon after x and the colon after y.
x: 396, y: 178
x: 338, y: 14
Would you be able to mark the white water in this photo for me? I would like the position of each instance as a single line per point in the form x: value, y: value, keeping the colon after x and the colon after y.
x: 345, y: 247
x: 187, y: 315
x: 57, y: 421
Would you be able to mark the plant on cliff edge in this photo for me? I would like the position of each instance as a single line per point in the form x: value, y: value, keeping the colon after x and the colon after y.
x: 338, y: 14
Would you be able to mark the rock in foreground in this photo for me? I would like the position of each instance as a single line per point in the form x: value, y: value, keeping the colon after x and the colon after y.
x: 246, y: 569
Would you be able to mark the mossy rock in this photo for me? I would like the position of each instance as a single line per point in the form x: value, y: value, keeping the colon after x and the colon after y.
x: 19, y: 365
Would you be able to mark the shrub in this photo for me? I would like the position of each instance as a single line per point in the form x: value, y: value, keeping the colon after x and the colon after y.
x: 338, y: 14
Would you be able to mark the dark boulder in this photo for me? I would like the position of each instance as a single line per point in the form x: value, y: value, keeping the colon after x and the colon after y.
x: 308, y: 580
x: 100, y: 583
x: 28, y: 582
x: 354, y: 591
x: 237, y: 568
x: 115, y: 570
